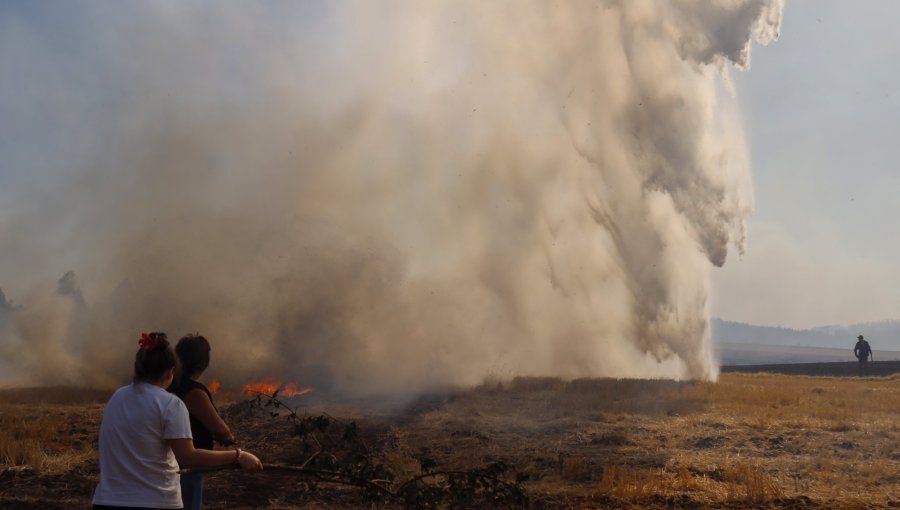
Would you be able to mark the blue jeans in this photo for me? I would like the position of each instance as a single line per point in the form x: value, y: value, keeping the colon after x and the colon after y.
x: 192, y: 490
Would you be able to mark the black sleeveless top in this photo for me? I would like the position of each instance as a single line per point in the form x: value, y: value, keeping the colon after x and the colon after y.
x: 203, y: 438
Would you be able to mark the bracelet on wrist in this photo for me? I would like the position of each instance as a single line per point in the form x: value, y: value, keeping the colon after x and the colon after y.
x: 237, y: 455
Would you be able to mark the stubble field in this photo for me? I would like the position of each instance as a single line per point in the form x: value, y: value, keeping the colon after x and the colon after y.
x: 747, y: 441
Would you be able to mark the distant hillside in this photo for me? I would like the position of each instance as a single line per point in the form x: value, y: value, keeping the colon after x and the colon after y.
x: 883, y: 336
x: 757, y: 354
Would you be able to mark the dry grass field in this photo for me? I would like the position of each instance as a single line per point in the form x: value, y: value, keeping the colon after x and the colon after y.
x: 747, y: 441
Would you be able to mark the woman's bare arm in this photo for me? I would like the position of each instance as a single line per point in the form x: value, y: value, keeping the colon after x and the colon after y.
x: 188, y: 456
x: 201, y: 407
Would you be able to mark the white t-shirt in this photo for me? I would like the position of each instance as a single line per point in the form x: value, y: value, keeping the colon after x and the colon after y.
x: 137, y: 467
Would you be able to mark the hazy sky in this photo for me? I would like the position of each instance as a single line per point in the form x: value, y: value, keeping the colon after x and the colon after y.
x: 822, y: 111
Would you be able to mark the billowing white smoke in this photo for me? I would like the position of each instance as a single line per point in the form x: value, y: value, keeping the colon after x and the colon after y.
x: 378, y: 196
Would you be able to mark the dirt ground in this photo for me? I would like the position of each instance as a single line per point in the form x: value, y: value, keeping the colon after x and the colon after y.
x: 746, y: 441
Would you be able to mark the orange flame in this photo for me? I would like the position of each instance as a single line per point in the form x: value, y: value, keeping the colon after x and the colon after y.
x: 270, y: 386
x: 214, y: 386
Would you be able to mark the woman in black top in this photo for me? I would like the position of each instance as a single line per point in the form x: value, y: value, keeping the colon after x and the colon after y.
x: 206, y: 424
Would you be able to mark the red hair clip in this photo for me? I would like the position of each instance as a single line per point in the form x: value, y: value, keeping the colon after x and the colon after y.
x: 148, y: 341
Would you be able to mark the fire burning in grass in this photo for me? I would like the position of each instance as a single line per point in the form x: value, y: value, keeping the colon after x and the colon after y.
x: 214, y: 386
x: 270, y: 386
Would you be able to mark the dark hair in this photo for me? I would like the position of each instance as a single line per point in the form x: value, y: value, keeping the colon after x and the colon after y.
x: 154, y: 358
x: 193, y: 353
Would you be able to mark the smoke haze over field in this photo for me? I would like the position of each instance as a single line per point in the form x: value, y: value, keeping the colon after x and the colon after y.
x: 372, y: 197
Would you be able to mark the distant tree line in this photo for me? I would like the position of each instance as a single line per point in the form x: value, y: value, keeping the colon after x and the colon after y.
x: 6, y: 305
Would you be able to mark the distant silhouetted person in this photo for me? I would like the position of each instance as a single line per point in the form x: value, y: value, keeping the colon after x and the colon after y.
x: 863, y: 352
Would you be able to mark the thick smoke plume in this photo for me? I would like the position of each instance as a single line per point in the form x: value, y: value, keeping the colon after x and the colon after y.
x: 372, y: 196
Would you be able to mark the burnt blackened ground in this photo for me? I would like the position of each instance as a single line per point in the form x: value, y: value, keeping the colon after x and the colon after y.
x: 748, y: 441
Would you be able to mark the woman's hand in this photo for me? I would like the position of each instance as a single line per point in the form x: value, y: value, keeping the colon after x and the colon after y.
x: 249, y: 462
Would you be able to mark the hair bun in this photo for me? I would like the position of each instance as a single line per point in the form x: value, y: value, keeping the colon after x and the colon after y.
x: 154, y: 357
x: 153, y: 341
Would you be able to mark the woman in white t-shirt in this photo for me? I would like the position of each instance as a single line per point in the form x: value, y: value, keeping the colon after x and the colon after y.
x: 146, y: 434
